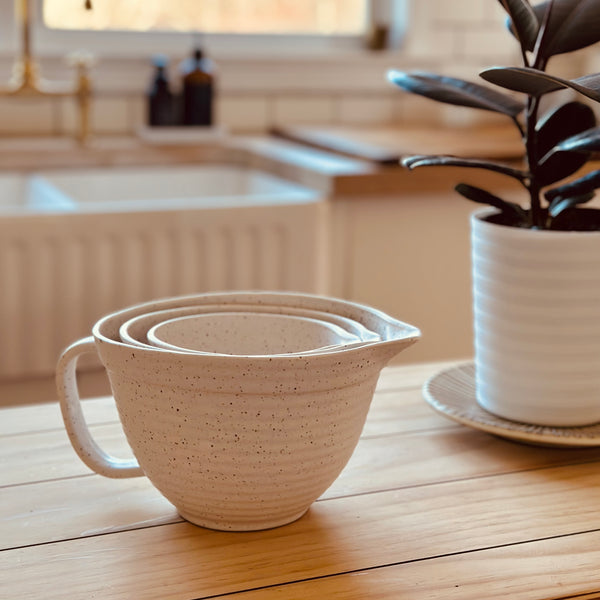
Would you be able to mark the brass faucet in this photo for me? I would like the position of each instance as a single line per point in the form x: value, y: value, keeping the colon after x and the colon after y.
x: 25, y: 80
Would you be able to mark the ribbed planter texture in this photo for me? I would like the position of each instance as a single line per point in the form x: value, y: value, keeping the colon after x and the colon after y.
x: 537, y: 323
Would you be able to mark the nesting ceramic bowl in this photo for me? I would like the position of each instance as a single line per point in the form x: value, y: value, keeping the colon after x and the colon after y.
x: 134, y: 331
x: 247, y: 333
x: 235, y: 442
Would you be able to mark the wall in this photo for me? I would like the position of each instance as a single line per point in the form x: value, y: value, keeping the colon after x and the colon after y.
x: 419, y: 274
x: 457, y: 38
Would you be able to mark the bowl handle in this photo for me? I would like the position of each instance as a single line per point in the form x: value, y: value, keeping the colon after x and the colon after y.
x: 79, y: 434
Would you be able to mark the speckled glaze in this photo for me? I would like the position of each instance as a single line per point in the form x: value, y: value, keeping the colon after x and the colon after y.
x: 247, y: 333
x: 134, y: 330
x: 234, y: 442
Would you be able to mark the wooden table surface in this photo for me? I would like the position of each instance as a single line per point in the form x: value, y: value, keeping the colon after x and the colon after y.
x: 426, y: 508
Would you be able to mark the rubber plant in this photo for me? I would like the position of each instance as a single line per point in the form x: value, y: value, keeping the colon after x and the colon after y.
x: 557, y: 142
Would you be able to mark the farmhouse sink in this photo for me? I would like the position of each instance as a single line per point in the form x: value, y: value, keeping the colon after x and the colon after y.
x: 76, y: 244
x: 117, y: 189
x: 20, y: 193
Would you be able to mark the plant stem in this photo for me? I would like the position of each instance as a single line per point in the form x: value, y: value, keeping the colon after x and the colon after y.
x: 531, y: 117
x: 531, y: 155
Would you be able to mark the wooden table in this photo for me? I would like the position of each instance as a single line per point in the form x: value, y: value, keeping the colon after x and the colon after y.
x: 426, y: 508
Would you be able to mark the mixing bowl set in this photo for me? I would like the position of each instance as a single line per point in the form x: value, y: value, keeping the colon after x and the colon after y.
x: 240, y: 407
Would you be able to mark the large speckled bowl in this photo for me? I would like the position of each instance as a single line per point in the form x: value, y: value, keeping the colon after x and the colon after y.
x: 234, y: 442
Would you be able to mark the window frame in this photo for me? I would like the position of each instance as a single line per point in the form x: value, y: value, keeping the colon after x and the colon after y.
x: 125, y: 44
x: 254, y: 66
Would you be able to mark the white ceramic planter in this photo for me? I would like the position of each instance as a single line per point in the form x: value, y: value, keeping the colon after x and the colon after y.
x: 537, y: 323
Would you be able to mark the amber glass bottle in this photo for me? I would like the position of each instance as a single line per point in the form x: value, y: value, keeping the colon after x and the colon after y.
x: 197, y: 90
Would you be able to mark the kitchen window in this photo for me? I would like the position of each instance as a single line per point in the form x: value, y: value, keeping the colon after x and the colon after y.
x: 332, y: 59
x: 230, y: 28
x: 317, y: 17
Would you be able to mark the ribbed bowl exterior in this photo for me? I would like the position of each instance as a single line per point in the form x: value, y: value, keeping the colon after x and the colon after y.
x: 536, y: 302
x: 236, y: 460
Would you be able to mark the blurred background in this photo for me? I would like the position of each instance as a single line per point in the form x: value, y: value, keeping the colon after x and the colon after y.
x: 299, y: 94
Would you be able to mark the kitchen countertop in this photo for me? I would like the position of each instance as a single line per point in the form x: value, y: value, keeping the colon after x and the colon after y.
x: 387, y: 145
x: 426, y: 508
x: 329, y: 170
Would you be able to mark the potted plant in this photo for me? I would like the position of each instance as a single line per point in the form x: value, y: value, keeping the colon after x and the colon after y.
x: 536, y: 263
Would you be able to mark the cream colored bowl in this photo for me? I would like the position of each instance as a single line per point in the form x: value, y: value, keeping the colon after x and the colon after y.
x: 134, y: 331
x: 234, y: 442
x: 247, y: 334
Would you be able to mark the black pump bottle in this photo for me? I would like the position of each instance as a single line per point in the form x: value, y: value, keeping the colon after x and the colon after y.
x: 161, y: 106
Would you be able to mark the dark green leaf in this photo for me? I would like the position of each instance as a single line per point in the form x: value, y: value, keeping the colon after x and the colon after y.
x: 541, y: 59
x: 560, y: 204
x: 537, y: 83
x: 456, y: 91
x: 556, y: 166
x: 522, y: 79
x: 576, y: 219
x: 583, y: 185
x: 573, y: 24
x: 409, y: 161
x: 563, y: 122
x: 590, y: 83
x: 587, y: 141
x: 412, y: 162
x: 483, y: 197
x: 523, y: 22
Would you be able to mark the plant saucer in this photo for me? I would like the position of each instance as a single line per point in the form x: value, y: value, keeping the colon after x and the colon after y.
x: 451, y: 392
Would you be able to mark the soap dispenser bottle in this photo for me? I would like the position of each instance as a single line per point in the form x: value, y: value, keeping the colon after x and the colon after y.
x: 160, y: 98
x: 197, y: 90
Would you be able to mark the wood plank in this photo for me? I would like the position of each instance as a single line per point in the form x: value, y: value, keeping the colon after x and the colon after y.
x: 552, y: 569
x: 412, y: 376
x: 390, y: 412
x: 61, y: 508
x: 402, y: 411
x: 42, y: 417
x: 48, y: 455
x: 388, y: 145
x: 412, y: 456
x: 336, y: 536
x: 46, y: 417
x: 423, y: 458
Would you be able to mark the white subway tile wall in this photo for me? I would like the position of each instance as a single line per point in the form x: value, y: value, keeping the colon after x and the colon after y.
x: 28, y: 116
x: 111, y: 114
x: 456, y: 38
x: 67, y: 117
x: 459, y: 12
x: 310, y: 108
x: 367, y: 109
x: 249, y: 112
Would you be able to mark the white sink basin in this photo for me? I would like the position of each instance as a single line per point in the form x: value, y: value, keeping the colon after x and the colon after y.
x: 119, y: 189
x: 29, y: 193
x: 76, y: 244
